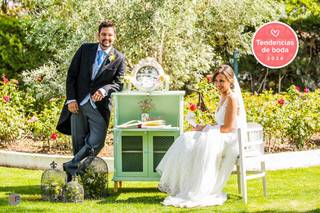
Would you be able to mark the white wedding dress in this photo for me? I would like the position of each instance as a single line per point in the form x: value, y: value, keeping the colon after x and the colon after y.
x: 197, y: 165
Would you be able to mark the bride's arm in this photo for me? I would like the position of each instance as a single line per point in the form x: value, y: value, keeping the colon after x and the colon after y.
x: 230, y: 115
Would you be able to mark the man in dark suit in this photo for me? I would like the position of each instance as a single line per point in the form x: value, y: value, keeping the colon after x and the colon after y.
x: 95, y: 72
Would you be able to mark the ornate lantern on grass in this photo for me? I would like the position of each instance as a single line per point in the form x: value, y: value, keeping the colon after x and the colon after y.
x: 73, y: 191
x: 52, y: 182
x: 95, y: 178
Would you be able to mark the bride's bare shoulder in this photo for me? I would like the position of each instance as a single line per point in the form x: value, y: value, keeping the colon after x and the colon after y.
x: 232, y: 99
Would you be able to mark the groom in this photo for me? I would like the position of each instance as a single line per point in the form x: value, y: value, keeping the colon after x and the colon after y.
x: 94, y: 73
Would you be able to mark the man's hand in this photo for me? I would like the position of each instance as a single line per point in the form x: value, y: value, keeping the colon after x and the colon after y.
x: 97, y: 96
x: 73, y: 107
x: 198, y: 128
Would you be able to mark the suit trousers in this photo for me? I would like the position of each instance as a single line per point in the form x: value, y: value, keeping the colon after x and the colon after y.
x: 88, y: 130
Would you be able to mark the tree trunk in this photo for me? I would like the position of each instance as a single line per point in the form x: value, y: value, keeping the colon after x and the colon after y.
x: 4, y: 6
x: 262, y: 84
x: 280, y: 80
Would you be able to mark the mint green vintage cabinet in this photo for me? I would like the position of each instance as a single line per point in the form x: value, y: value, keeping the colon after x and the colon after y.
x: 137, y: 151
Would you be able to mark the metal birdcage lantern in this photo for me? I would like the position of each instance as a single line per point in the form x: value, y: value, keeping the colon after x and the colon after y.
x: 52, y: 182
x: 73, y: 191
x: 95, y: 177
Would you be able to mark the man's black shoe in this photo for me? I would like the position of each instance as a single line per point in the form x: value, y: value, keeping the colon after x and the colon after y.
x: 69, y: 177
x: 68, y: 173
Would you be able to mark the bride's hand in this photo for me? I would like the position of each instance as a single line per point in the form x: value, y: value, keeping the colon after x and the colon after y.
x: 198, y: 128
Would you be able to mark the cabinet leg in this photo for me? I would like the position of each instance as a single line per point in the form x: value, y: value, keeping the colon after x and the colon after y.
x: 115, y: 187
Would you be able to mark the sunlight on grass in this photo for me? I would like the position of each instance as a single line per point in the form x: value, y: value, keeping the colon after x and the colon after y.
x: 294, y: 190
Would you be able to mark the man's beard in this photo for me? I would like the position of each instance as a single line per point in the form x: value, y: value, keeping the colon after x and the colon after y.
x: 106, y: 46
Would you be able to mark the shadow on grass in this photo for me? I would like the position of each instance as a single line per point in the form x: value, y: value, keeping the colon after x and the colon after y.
x: 18, y: 208
x: 138, y: 190
x: 21, y: 190
x: 286, y: 211
x: 152, y: 199
x: 27, y: 193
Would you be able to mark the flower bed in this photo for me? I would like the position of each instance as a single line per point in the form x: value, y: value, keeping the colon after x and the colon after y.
x: 291, y: 119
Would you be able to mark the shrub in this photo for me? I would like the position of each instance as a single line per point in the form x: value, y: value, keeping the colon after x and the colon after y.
x: 12, y: 112
x: 21, y: 115
x: 16, y: 54
x: 43, y: 125
x: 43, y: 82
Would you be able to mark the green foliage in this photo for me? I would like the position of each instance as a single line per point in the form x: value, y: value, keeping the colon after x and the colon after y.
x: 16, y: 54
x: 303, y: 116
x: 12, y: 112
x: 73, y: 192
x: 304, y: 17
x: 94, y: 183
x: 43, y: 124
x: 186, y: 37
x: 296, y: 120
x: 21, y: 115
x: 231, y: 24
x: 42, y: 82
x: 11, y: 48
x: 299, y: 8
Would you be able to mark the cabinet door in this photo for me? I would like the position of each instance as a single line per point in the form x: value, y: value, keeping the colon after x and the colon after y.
x: 132, y: 154
x: 159, y: 143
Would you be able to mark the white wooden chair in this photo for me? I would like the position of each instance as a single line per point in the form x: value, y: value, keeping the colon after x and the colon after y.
x: 251, y: 147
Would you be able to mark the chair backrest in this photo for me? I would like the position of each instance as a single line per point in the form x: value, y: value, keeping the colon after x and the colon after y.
x: 251, y: 140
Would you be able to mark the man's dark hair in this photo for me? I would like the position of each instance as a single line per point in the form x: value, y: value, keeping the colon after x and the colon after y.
x: 107, y: 24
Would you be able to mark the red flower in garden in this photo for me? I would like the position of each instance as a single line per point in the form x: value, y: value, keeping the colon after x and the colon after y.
x: 5, y: 80
x: 54, y: 136
x: 209, y: 78
x: 298, y: 88
x: 281, y: 101
x: 192, y: 107
x: 6, y: 98
x: 306, y: 90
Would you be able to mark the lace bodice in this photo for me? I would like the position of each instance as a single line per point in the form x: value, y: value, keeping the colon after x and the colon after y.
x: 220, y: 114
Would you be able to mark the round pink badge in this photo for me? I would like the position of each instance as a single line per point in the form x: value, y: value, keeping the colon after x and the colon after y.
x: 275, y: 44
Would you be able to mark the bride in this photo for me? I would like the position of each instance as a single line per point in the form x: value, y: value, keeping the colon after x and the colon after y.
x: 197, y: 165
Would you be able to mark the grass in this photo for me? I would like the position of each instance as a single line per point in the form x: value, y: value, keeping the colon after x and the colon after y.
x: 294, y: 190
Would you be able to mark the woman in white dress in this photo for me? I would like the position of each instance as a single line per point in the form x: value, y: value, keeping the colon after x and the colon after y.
x: 197, y: 165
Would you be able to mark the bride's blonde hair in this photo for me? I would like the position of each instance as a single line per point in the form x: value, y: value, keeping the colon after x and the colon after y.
x: 227, y: 71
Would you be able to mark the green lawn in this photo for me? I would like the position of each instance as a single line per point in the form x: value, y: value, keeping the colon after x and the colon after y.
x: 294, y: 190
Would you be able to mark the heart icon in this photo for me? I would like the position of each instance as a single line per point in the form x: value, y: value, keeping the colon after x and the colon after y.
x: 275, y: 33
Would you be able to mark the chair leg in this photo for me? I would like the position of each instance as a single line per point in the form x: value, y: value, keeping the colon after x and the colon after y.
x: 243, y: 180
x: 238, y: 179
x: 244, y: 188
x: 264, y: 181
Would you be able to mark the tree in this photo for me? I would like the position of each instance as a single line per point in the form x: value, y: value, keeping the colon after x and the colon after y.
x: 188, y: 38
